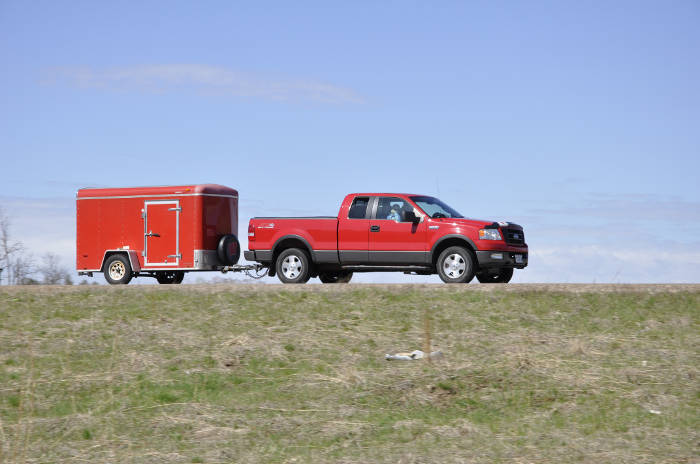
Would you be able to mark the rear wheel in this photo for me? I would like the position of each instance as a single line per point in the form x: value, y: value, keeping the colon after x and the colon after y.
x: 293, y: 266
x: 455, y: 265
x: 117, y: 270
x: 170, y: 277
x: 503, y: 276
x: 342, y: 277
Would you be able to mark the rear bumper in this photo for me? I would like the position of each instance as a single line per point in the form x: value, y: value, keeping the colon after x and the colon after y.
x: 493, y: 259
x: 261, y: 256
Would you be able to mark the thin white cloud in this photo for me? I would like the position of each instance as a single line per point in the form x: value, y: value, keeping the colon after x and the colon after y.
x: 646, y: 262
x: 630, y: 207
x: 204, y: 79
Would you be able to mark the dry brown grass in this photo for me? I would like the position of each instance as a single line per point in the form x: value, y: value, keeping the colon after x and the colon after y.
x: 258, y: 373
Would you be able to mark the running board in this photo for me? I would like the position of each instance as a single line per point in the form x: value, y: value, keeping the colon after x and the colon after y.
x: 368, y: 268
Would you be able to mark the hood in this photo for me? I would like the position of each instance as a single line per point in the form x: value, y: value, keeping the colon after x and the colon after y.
x: 480, y: 223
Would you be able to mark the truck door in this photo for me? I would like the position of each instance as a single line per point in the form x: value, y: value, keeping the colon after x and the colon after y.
x: 353, y: 232
x: 162, y: 233
x: 393, y: 238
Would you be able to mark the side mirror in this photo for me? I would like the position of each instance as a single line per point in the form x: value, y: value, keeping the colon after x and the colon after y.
x: 410, y: 216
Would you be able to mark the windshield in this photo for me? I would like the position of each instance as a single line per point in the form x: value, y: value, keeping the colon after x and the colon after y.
x: 435, y: 208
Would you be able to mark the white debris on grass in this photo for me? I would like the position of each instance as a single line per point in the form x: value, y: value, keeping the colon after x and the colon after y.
x: 412, y: 356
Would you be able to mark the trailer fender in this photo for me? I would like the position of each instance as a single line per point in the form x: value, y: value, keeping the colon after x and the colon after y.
x: 131, y: 254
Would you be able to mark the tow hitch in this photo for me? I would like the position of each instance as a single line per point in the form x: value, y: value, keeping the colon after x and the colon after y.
x: 254, y: 271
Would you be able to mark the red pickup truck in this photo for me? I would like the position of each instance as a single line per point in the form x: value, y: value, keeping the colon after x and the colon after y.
x: 387, y: 232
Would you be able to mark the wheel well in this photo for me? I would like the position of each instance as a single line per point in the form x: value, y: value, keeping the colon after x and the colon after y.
x: 285, y: 244
x: 442, y: 246
x: 109, y: 254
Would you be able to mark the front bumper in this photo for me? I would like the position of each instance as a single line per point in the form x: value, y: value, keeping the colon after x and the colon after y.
x: 494, y: 259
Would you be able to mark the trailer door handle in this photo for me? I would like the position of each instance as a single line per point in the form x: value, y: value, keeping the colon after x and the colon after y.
x: 374, y: 229
x: 151, y: 234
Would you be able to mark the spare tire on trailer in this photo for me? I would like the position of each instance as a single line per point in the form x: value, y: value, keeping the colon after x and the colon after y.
x: 228, y: 250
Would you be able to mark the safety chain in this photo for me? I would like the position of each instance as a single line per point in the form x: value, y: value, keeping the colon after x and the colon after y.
x: 257, y: 274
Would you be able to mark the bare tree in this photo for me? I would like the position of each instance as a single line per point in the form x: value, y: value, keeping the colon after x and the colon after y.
x: 18, y: 265
x: 52, y: 272
x: 10, y: 250
x: 22, y: 269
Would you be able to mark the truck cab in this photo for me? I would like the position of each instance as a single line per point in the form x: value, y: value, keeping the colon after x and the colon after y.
x: 373, y: 232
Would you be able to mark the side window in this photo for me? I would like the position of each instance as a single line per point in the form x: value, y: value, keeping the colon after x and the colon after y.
x: 358, y: 209
x: 393, y: 209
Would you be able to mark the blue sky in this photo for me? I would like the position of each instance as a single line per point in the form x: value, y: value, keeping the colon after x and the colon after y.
x: 578, y: 120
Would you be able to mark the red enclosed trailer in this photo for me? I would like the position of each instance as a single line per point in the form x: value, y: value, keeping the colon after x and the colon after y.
x: 160, y: 232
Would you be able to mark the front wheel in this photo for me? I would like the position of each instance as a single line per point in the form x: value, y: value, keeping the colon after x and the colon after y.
x: 455, y: 265
x: 117, y: 270
x: 335, y: 277
x: 293, y: 266
x: 502, y: 277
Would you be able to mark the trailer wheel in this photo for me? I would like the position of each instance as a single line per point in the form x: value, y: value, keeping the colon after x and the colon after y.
x: 335, y: 277
x: 293, y: 266
x: 117, y: 270
x: 228, y: 250
x: 455, y: 265
x: 170, y: 277
x: 503, y: 277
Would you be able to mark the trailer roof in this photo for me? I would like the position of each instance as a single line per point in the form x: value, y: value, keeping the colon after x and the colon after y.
x: 170, y: 190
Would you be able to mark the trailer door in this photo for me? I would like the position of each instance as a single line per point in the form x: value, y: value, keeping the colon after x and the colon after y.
x: 162, y: 233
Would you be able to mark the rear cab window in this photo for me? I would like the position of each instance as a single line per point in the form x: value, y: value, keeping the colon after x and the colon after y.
x: 358, y: 209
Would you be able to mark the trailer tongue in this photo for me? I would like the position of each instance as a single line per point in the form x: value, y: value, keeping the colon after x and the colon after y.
x: 254, y: 271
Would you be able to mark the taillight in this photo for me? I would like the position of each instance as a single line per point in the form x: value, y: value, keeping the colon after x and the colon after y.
x: 251, y: 232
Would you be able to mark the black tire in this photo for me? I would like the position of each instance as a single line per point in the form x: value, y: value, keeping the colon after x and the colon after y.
x: 179, y: 277
x: 455, y: 265
x: 502, y: 277
x: 228, y: 250
x: 170, y: 277
x: 342, y: 277
x: 117, y: 270
x: 293, y: 266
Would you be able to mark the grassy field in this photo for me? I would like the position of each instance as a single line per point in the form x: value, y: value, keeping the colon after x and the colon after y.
x: 250, y: 373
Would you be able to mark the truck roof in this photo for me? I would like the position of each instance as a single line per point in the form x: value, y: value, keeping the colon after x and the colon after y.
x: 193, y: 189
x: 387, y: 194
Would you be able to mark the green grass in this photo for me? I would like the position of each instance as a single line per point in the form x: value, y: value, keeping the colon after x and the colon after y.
x: 297, y: 374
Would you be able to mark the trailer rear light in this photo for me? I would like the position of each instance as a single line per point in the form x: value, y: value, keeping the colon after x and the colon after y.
x: 251, y: 233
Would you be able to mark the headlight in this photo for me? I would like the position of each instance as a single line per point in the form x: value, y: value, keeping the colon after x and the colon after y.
x: 489, y: 234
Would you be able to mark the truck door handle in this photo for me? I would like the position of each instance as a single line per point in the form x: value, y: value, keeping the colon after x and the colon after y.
x: 374, y: 229
x: 151, y: 234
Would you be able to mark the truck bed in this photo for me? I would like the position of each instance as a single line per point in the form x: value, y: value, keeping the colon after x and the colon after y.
x: 321, y: 232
